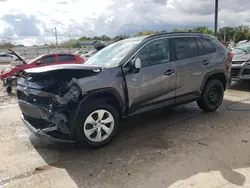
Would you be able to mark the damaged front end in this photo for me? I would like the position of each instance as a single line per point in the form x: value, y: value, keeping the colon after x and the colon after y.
x: 49, y: 100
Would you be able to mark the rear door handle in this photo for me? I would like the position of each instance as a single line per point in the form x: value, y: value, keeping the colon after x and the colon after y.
x: 169, y: 72
x: 205, y: 62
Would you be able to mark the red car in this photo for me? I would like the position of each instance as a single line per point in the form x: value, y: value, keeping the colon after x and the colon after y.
x: 226, y: 44
x: 9, y: 77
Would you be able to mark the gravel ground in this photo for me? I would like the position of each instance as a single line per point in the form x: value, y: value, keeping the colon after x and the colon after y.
x: 181, y: 147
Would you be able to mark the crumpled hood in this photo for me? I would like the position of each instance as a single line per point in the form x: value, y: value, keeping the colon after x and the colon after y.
x: 241, y: 57
x: 50, y: 68
x: 18, y: 56
x: 51, y: 78
x: 59, y: 73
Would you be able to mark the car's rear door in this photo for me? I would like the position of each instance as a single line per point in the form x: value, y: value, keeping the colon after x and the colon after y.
x: 154, y: 85
x: 191, y: 67
x: 66, y: 59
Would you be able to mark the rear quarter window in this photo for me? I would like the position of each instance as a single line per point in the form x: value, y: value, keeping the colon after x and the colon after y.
x: 66, y: 58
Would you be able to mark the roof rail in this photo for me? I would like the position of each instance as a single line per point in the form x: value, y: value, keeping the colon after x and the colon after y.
x: 164, y: 33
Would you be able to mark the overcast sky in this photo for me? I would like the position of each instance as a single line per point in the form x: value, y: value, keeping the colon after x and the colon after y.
x: 33, y: 21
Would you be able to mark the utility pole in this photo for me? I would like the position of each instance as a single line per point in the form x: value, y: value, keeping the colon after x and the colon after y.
x: 69, y: 42
x: 225, y: 33
x: 216, y: 17
x: 56, y: 36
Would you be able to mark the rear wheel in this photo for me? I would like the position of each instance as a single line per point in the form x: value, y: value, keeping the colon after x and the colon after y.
x: 212, y: 96
x: 97, y: 125
x: 9, y: 89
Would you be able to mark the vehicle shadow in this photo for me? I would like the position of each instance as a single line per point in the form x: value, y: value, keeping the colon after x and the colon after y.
x: 161, y: 148
x: 240, y: 86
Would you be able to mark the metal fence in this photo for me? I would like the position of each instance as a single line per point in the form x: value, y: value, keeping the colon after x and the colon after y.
x: 32, y: 52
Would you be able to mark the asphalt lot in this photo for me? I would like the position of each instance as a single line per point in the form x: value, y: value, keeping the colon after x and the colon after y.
x: 180, y: 147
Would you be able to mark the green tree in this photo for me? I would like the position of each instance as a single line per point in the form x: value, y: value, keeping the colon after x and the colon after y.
x: 118, y: 37
x: 238, y: 36
x: 175, y: 30
x: 204, y: 30
x: 7, y: 45
x: 85, y: 38
x: 75, y: 44
x: 97, y: 38
x: 105, y: 38
x: 145, y: 33
x: 139, y: 34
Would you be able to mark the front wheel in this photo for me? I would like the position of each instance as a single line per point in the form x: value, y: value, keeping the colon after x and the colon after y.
x: 212, y: 96
x: 97, y: 125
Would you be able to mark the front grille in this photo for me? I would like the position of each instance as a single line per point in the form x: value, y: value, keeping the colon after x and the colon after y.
x: 33, y: 99
x: 246, y: 72
x: 238, y: 62
x: 235, y: 72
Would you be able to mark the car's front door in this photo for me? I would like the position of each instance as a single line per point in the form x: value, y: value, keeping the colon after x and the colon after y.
x: 45, y: 61
x: 154, y: 85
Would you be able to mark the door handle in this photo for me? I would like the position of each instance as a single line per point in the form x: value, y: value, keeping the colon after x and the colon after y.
x: 205, y: 62
x: 169, y: 72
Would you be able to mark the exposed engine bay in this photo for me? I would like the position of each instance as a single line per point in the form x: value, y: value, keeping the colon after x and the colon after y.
x: 49, y: 99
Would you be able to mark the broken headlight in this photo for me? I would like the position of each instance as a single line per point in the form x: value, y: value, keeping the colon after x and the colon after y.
x: 75, y: 92
x: 72, y: 95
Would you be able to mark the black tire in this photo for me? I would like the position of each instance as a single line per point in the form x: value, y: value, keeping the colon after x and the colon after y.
x: 9, y: 89
x: 212, y: 96
x: 81, y: 137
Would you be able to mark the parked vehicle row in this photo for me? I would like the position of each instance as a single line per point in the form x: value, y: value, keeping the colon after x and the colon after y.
x: 9, y: 76
x: 84, y: 103
x: 7, y: 57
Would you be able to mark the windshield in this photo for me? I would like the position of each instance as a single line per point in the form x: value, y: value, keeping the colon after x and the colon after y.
x: 242, y: 49
x: 112, y: 54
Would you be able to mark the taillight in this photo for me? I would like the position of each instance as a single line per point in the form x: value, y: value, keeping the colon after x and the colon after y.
x: 231, y: 55
x: 230, y: 58
x: 228, y: 61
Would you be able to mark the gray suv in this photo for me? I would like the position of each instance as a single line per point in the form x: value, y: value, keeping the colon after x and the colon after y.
x: 84, y: 103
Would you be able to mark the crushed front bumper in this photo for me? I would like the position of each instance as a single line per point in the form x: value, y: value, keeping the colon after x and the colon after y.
x: 44, y: 133
x: 240, y: 71
x: 37, y: 120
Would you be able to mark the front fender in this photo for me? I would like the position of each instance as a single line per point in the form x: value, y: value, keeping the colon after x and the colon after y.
x: 99, y: 96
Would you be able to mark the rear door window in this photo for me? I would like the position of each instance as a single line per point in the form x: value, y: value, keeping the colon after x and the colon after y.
x: 66, y: 58
x: 185, y: 47
x: 205, y: 47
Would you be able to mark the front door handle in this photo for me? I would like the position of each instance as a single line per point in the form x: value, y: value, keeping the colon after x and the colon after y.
x: 169, y: 72
x: 205, y: 62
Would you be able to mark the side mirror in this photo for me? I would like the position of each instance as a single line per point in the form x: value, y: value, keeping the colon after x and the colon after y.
x: 38, y: 62
x: 135, y: 65
x: 138, y: 63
